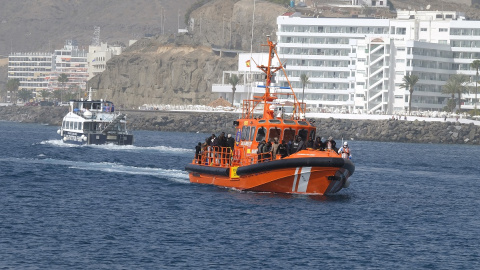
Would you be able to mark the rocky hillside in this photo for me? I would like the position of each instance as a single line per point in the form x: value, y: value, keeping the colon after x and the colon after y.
x: 162, y: 71
x: 44, y: 25
x: 181, y: 69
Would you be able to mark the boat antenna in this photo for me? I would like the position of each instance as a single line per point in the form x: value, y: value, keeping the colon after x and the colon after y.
x: 251, y: 50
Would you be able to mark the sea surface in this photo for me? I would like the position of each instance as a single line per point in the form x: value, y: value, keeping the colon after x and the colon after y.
x: 409, y: 206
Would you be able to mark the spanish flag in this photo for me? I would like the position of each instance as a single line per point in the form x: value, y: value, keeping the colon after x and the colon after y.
x: 248, y: 63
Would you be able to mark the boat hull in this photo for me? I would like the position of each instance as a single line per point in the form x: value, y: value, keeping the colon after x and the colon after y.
x: 97, y: 139
x: 296, y: 176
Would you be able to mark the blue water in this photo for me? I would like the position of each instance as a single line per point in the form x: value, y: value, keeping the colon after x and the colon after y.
x: 409, y: 206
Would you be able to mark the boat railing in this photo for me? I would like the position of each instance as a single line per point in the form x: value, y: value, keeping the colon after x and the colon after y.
x: 215, y: 156
x: 225, y: 157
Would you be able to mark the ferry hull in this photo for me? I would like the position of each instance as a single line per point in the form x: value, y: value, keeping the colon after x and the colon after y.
x: 97, y: 139
x: 295, y: 176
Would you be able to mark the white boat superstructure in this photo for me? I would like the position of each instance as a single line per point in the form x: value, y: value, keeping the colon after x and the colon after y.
x: 94, y: 122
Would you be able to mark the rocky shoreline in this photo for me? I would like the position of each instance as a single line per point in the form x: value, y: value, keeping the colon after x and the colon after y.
x: 214, y: 122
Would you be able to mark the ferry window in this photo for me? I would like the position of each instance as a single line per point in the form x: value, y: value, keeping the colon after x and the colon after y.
x: 274, y: 121
x: 261, y: 134
x: 245, y: 133
x: 64, y: 124
x: 87, y: 106
x: 288, y: 134
x: 68, y: 125
x: 261, y: 121
x: 303, y: 133
x: 252, y: 133
x: 274, y: 132
x: 96, y: 106
x: 75, y: 125
x: 289, y: 122
x: 303, y: 123
x: 80, y: 126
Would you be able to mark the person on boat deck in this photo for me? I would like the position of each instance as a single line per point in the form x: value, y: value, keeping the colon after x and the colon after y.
x: 345, y: 151
x: 275, y: 147
x: 331, y: 144
x: 282, y: 149
x: 213, y: 140
x: 267, y: 150
x: 260, y: 147
x: 198, y: 150
x: 298, y: 144
x: 230, y: 141
x: 318, y: 145
x: 310, y: 143
x: 222, y: 140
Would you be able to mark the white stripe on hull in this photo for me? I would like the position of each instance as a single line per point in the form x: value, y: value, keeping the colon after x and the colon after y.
x: 302, y: 176
x: 295, y: 178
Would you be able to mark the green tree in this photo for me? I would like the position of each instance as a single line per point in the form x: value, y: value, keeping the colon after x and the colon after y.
x: 25, y: 95
x: 12, y: 87
x: 304, y: 81
x: 45, y: 94
x: 476, y: 65
x: 62, y: 79
x: 57, y: 94
x: 456, y: 84
x: 233, y: 80
x: 409, y: 82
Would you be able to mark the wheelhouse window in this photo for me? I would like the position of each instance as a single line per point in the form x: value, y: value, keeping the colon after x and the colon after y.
x: 303, y: 133
x: 275, y: 132
x: 288, y: 134
x: 252, y: 134
x: 245, y: 133
x: 261, y: 134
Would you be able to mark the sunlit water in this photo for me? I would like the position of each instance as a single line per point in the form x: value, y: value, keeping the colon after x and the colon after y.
x: 409, y: 206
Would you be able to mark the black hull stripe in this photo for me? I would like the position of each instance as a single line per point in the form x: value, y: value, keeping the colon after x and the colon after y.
x: 208, y: 170
x: 274, y: 165
x: 297, y: 162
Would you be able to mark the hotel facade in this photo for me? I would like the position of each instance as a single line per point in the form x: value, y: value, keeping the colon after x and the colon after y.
x: 358, y: 64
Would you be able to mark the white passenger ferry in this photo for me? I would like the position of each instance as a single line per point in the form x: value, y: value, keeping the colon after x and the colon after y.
x: 94, y: 122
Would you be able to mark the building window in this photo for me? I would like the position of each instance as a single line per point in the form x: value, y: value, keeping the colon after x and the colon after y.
x: 443, y: 30
x: 401, y: 31
x: 423, y: 29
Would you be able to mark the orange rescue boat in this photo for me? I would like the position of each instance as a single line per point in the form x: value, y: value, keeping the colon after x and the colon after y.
x: 308, y: 171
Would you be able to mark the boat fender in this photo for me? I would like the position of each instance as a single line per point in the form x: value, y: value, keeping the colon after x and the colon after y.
x: 59, y: 132
x: 84, y: 138
x: 347, y: 184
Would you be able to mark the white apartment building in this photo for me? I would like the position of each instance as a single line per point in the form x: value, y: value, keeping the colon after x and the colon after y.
x: 98, y: 56
x: 73, y: 62
x: 358, y: 64
x: 32, y: 69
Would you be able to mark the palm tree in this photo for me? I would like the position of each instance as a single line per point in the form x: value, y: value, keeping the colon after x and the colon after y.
x: 304, y: 80
x: 62, y: 79
x: 45, y: 94
x: 12, y: 87
x: 233, y: 81
x: 476, y: 65
x: 456, y: 85
x: 450, y: 88
x: 409, y: 82
x: 25, y: 94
